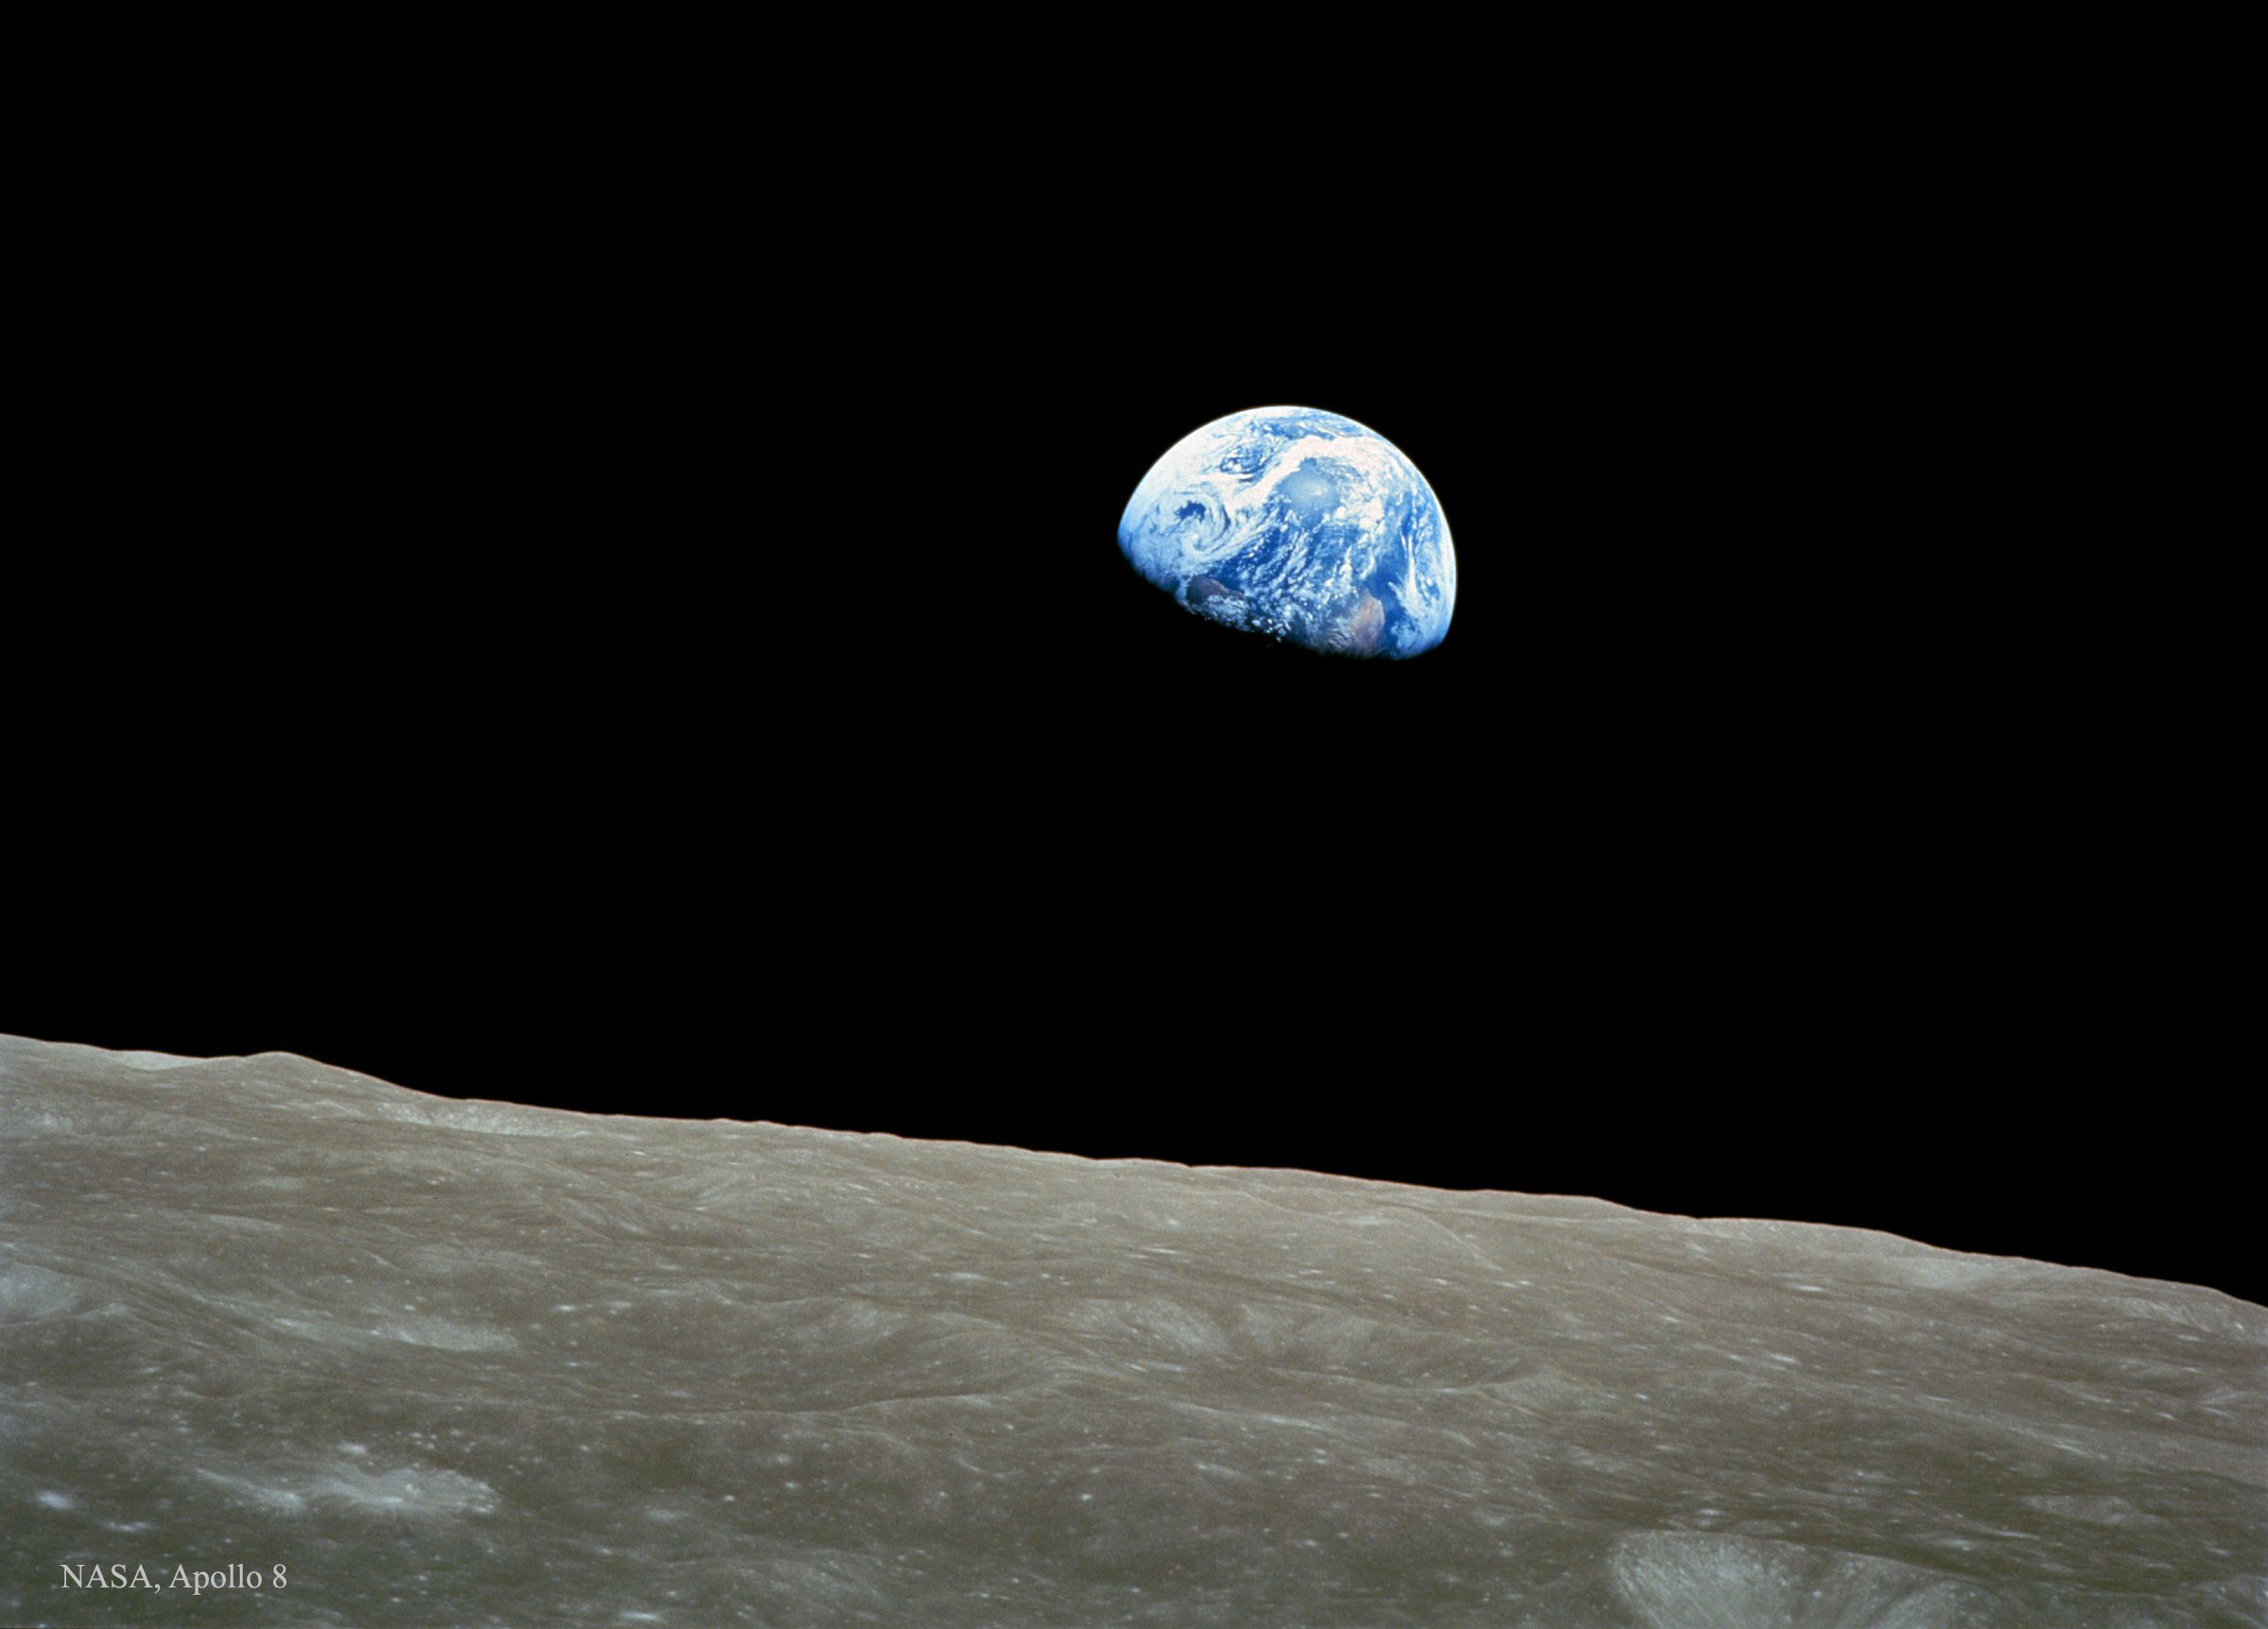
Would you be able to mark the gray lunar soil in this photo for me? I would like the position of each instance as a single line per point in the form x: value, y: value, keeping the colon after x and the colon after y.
x: 452, y: 1363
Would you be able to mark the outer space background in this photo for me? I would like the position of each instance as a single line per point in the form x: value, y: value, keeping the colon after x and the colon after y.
x: 567, y: 652
x: 635, y: 624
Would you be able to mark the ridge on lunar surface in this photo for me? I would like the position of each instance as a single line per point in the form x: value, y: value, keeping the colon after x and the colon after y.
x: 471, y: 1362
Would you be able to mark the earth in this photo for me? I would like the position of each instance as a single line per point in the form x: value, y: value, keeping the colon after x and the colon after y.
x: 1299, y: 525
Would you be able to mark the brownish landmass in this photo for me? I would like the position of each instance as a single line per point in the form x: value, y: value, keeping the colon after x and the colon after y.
x: 1361, y: 631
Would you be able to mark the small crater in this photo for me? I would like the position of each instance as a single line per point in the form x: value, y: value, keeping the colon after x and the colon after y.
x: 27, y: 1292
x: 445, y: 1335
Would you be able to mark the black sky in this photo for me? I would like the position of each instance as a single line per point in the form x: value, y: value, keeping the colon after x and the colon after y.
x: 582, y: 678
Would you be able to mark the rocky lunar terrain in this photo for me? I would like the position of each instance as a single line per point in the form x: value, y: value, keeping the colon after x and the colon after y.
x: 467, y: 1363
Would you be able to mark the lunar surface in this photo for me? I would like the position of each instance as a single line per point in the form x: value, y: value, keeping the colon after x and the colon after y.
x: 454, y: 1362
